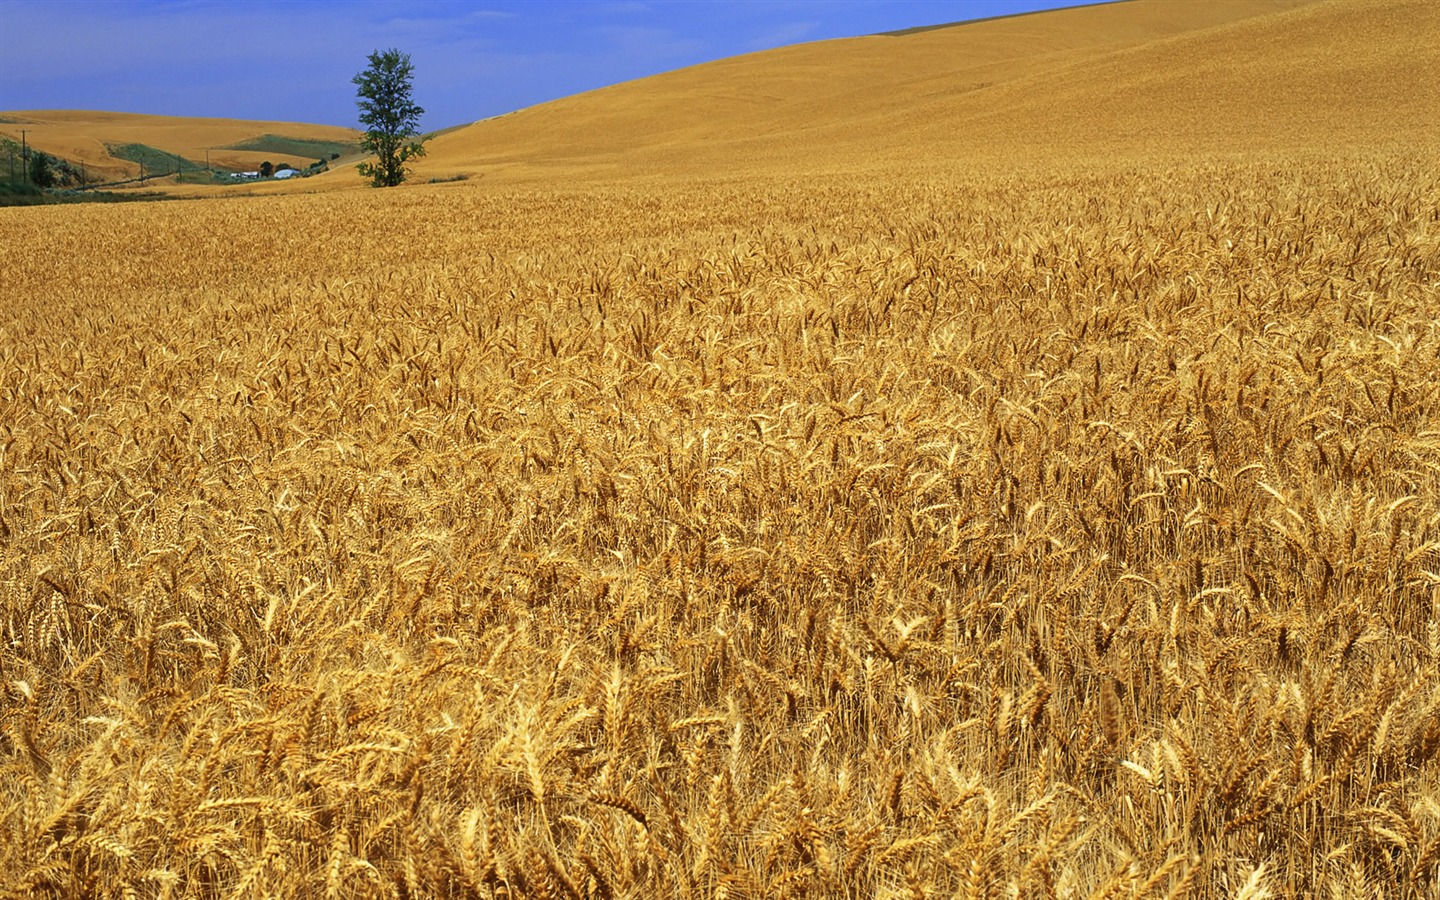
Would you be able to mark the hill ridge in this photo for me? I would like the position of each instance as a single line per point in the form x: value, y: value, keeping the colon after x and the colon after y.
x: 921, y: 29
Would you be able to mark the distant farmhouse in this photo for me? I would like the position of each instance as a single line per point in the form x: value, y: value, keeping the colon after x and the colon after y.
x: 283, y: 170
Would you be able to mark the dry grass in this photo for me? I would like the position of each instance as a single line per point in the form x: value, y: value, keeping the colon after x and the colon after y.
x: 979, y: 537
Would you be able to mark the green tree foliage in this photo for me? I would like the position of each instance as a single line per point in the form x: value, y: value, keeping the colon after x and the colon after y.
x: 41, y: 173
x: 390, y: 116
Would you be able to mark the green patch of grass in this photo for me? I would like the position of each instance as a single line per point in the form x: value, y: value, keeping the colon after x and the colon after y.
x: 155, y: 161
x: 17, y: 194
x: 29, y: 195
x: 159, y: 162
x: 303, y: 148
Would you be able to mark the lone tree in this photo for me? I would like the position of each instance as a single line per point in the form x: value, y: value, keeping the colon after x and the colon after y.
x: 391, y: 118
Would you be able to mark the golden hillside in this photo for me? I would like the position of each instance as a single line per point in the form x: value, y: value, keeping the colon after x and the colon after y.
x: 1133, y: 79
x: 89, y: 137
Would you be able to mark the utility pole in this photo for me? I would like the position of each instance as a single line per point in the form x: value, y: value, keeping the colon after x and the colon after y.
x: 24, y: 158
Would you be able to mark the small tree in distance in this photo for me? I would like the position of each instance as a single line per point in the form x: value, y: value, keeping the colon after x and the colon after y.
x: 390, y: 116
x: 41, y: 173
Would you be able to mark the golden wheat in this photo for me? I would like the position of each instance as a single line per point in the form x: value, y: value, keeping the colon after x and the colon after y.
x: 1039, y: 535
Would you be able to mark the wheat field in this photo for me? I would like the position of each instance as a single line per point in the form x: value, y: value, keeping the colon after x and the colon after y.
x: 1047, y: 534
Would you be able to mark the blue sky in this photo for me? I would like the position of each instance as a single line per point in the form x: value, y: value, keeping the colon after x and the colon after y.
x: 293, y: 61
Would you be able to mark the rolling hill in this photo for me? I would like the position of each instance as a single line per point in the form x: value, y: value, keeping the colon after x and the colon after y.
x: 112, y: 145
x: 1124, y: 80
